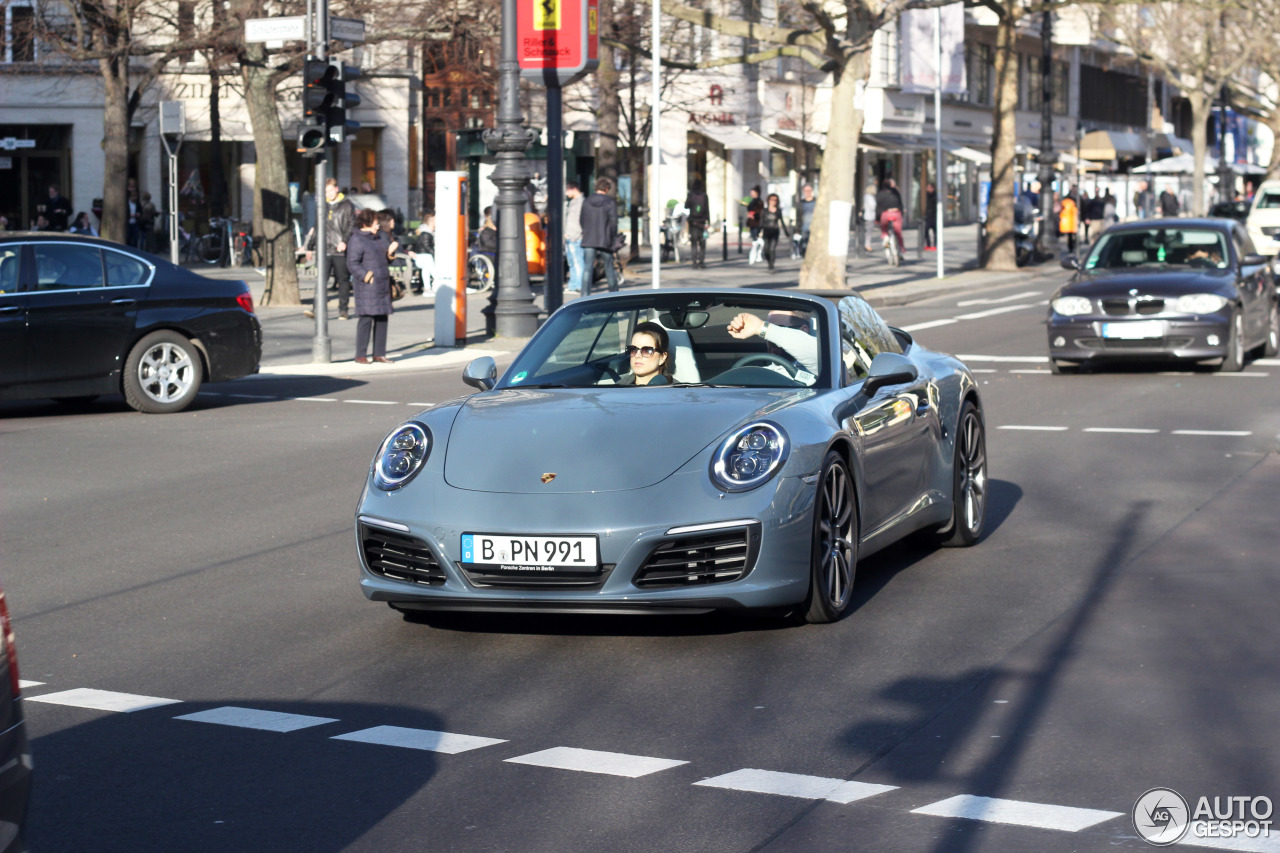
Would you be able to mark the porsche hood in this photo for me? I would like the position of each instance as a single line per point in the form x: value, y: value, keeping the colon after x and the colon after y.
x: 592, y: 440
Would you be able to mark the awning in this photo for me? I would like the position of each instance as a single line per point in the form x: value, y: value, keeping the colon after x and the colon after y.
x: 1112, y: 145
x: 737, y: 138
x: 893, y: 142
x: 1174, y: 145
x: 973, y: 155
x: 813, y: 137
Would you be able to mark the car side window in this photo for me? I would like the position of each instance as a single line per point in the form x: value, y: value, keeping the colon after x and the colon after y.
x: 60, y: 266
x: 123, y: 270
x: 9, y: 257
x: 863, y: 336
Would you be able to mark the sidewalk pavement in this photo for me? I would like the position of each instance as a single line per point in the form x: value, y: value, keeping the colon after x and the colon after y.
x: 288, y: 335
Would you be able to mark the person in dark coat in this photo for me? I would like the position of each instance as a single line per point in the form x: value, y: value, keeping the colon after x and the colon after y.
x: 699, y: 207
x: 371, y: 280
x: 599, y: 219
x: 772, y: 223
x: 340, y: 221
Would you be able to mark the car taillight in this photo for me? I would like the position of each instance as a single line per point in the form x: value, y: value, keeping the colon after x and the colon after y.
x: 10, y: 650
x: 245, y: 301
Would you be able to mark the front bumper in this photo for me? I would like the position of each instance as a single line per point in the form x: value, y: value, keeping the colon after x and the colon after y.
x: 1192, y: 338
x: 775, y: 522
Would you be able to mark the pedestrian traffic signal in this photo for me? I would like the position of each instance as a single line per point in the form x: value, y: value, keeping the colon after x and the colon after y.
x: 311, y: 138
x: 336, y: 121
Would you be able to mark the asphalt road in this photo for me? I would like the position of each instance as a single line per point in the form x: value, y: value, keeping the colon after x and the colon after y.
x: 1113, y: 632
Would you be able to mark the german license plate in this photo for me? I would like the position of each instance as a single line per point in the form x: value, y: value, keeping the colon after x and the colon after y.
x: 1138, y: 331
x: 531, y: 555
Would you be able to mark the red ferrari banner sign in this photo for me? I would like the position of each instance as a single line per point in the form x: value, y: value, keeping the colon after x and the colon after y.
x: 558, y: 41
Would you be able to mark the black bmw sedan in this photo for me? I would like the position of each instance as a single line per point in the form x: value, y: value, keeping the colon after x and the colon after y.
x: 81, y: 317
x: 1187, y: 289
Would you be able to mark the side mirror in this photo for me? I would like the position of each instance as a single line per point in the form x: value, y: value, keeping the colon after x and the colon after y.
x: 1070, y: 262
x: 481, y: 373
x: 1254, y: 260
x: 888, y: 368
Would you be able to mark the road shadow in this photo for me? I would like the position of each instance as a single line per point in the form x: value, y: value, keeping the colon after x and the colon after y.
x: 147, y: 781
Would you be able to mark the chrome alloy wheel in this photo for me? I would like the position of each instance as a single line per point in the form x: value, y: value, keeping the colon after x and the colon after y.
x: 971, y: 460
x: 835, y: 547
x: 166, y: 372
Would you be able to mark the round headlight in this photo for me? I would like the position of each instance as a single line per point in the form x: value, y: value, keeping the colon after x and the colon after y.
x: 401, y: 456
x: 1199, y: 303
x: 1071, y: 306
x: 749, y: 457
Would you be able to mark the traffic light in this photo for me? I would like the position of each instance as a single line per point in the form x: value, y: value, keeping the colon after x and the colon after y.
x: 336, y: 121
x: 317, y: 100
x: 311, y: 138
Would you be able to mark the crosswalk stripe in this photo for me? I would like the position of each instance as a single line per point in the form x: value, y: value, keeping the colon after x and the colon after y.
x: 23, y: 684
x: 991, y: 312
x: 932, y: 324
x: 595, y: 761
x: 102, y: 700
x: 1017, y: 813
x: 252, y: 718
x: 795, y: 785
x: 1231, y: 432
x: 425, y: 739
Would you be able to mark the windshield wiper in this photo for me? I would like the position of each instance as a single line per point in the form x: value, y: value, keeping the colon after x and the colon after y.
x: 544, y: 385
x: 695, y: 385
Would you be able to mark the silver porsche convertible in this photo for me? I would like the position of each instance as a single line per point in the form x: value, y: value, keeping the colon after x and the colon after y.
x: 677, y: 451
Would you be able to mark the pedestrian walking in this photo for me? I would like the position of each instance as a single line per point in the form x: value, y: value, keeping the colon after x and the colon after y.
x: 339, y: 223
x: 773, y: 222
x: 699, y: 207
x: 869, y: 218
x: 599, y: 220
x: 805, y: 209
x: 755, y: 207
x: 133, y: 233
x: 573, y: 235
x: 147, y: 214
x: 1109, y: 215
x: 367, y: 263
x: 1144, y: 201
x: 930, y: 218
x: 1168, y: 203
x: 1068, y: 220
x: 58, y: 210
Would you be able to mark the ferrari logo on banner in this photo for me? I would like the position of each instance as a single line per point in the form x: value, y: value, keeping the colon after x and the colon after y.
x: 546, y: 14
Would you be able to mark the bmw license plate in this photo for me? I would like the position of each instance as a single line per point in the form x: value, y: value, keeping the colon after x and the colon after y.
x: 1140, y: 330
x: 531, y: 555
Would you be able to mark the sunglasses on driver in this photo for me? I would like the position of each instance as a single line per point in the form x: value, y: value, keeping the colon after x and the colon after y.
x: 645, y: 352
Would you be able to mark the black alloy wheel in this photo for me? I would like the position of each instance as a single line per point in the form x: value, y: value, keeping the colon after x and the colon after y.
x: 969, y: 481
x: 1271, y: 346
x: 1234, y: 359
x: 834, y: 557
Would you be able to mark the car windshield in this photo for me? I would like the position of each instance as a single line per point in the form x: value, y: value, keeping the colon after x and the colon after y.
x: 748, y: 341
x: 1159, y: 248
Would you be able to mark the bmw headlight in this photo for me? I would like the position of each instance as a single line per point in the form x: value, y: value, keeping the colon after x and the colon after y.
x: 749, y: 457
x: 1071, y: 306
x: 1199, y: 303
x: 401, y: 456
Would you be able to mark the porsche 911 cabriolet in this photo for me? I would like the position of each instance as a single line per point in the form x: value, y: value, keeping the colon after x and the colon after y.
x: 677, y: 451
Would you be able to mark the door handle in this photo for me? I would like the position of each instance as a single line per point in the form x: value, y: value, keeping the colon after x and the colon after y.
x: 10, y: 309
x: 125, y: 301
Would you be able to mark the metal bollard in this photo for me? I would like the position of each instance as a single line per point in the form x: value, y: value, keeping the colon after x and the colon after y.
x: 982, y: 244
x: 739, y: 236
x: 724, y: 239
x: 920, y: 238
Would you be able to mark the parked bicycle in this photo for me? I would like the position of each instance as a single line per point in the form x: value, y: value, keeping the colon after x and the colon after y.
x: 213, y: 247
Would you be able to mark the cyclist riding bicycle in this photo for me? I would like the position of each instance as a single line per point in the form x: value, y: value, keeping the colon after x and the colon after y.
x: 889, y: 211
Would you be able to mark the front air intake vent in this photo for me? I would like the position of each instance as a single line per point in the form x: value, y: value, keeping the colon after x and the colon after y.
x: 399, y: 557
x: 716, y: 556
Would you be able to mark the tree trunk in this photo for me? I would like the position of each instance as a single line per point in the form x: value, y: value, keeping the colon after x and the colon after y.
x: 1000, y: 246
x: 826, y: 259
x: 115, y: 148
x: 271, y: 212
x: 610, y: 103
x: 1273, y: 122
x: 1200, y: 105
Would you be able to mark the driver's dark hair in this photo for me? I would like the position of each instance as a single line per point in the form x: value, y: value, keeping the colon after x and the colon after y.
x: 659, y: 334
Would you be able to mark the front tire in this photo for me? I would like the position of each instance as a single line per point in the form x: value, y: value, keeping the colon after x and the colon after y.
x: 1271, y: 346
x: 968, y: 482
x: 162, y: 374
x: 1233, y: 361
x: 833, y: 560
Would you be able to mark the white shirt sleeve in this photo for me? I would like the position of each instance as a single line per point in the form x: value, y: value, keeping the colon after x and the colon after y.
x: 801, y: 345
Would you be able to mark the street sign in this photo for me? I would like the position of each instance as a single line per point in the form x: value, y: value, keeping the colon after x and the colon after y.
x: 275, y: 29
x: 173, y: 118
x: 347, y: 29
x: 9, y: 143
x: 557, y: 41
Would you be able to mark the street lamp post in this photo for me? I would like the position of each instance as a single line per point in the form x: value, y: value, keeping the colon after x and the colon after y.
x: 1047, y: 155
x: 514, y: 314
x: 1226, y: 176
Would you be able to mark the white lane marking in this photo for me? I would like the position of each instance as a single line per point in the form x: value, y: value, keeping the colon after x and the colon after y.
x: 316, y: 399
x: 425, y: 739
x: 1065, y: 818
x: 1036, y: 428
x: 991, y: 312
x: 1030, y: 370
x: 1261, y: 844
x: 1268, y: 362
x: 254, y: 396
x: 983, y: 370
x: 993, y: 301
x: 23, y: 684
x: 1230, y: 432
x: 929, y: 325
x: 1012, y: 359
x: 796, y: 785
x: 421, y: 405
x: 594, y: 761
x: 1122, y: 430
x: 251, y: 718
x: 373, y: 402
x: 1247, y: 374
x: 103, y: 700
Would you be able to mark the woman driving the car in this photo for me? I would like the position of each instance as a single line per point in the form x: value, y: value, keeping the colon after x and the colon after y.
x: 652, y: 362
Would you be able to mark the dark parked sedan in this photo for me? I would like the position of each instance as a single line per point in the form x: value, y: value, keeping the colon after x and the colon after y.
x: 15, y: 755
x: 82, y: 317
x: 1187, y: 289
